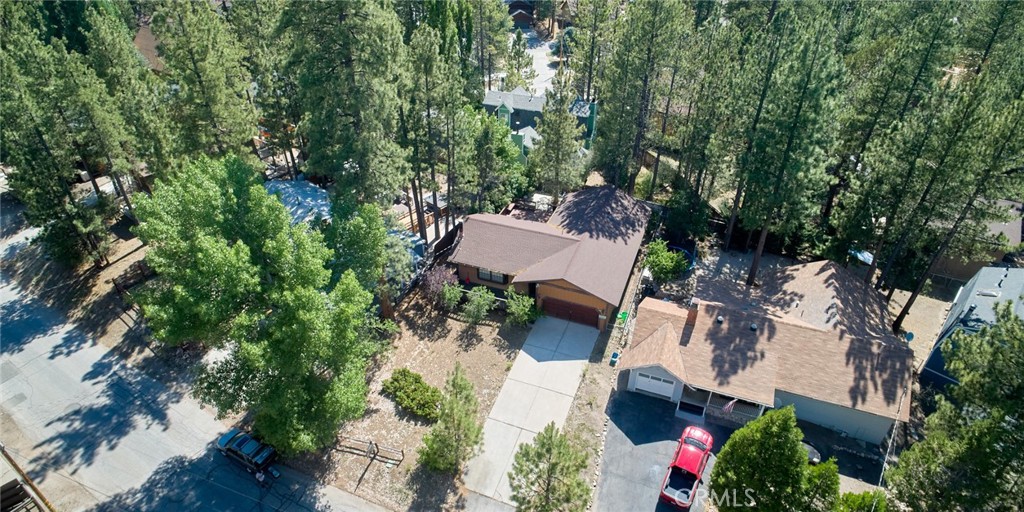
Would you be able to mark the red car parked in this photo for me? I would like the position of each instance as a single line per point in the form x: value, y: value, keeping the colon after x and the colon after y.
x: 688, y: 463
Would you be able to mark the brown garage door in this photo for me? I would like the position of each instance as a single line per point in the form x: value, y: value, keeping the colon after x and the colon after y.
x: 571, y: 311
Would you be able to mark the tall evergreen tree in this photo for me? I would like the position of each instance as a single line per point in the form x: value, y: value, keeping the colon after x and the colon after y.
x: 138, y: 94
x: 519, y: 70
x: 970, y: 457
x: 786, y: 167
x: 557, y: 157
x: 645, y: 35
x: 590, y: 46
x: 349, y: 62
x: 491, y: 25
x: 204, y: 69
x: 257, y: 26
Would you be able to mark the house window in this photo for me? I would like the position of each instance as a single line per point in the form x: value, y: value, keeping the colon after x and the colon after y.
x: 489, y: 275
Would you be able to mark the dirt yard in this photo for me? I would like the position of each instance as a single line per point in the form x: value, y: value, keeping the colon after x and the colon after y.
x: 430, y: 343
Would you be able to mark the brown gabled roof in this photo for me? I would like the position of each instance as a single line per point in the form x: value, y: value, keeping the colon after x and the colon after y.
x: 782, y: 353
x: 507, y: 245
x: 590, y: 241
x: 610, y: 225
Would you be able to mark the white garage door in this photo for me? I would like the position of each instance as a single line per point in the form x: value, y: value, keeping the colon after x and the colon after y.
x: 656, y: 385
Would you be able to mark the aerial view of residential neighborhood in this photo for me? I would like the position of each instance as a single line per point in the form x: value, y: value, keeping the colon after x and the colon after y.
x: 512, y: 255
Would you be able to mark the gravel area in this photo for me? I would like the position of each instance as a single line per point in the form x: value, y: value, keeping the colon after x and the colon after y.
x: 430, y: 343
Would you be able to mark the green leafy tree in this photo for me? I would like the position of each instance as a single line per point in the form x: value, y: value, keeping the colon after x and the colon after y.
x: 764, y: 461
x: 970, y: 457
x: 557, y: 160
x: 547, y: 474
x: 866, y: 501
x: 664, y: 264
x: 458, y: 433
x: 204, y: 69
x: 519, y: 70
x: 451, y: 295
x: 479, y: 302
x: 234, y: 273
x: 522, y: 309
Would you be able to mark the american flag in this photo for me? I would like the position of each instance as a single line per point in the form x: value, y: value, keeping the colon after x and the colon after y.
x: 729, y: 406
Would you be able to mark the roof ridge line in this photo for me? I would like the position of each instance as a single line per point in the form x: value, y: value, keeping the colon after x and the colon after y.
x: 520, y: 228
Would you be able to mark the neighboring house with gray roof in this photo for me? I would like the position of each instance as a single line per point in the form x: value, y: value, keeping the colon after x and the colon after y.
x: 1002, y: 235
x: 972, y: 309
x: 522, y: 110
x: 803, y: 345
x: 576, y: 265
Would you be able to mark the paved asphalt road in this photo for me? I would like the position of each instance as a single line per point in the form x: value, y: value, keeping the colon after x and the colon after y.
x: 96, y: 434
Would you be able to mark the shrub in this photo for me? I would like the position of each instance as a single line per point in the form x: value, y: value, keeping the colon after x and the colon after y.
x: 479, y: 302
x: 665, y: 265
x: 434, y: 281
x: 522, y: 309
x: 451, y: 295
x: 412, y: 394
x: 862, y: 502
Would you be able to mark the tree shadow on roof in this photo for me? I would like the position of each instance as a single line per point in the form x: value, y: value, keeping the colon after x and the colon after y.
x: 602, y: 212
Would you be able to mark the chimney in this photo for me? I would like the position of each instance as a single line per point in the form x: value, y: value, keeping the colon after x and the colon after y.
x: 691, y: 313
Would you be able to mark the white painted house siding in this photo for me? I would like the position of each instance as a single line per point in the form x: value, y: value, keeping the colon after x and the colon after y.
x: 857, y: 424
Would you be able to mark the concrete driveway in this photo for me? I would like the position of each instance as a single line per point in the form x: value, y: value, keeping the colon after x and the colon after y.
x: 642, y: 437
x: 538, y: 390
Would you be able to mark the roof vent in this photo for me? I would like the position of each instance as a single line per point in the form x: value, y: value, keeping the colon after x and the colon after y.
x: 753, y: 327
x: 720, y: 319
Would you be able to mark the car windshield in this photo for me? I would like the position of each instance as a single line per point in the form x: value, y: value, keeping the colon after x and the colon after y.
x: 693, y: 442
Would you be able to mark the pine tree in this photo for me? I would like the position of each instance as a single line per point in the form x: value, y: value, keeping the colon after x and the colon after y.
x: 519, y: 70
x: 256, y: 25
x: 496, y: 176
x: 204, y: 69
x: 969, y: 458
x: 350, y: 63
x: 557, y: 156
x: 458, y: 433
x: 546, y: 474
x: 139, y: 95
x: 646, y: 33
x: 983, y: 165
x: 786, y: 167
x: 491, y: 25
x: 590, y: 47
x: 902, y: 68
x: 39, y: 142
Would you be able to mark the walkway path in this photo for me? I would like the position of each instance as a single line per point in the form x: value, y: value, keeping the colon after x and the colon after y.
x: 538, y: 390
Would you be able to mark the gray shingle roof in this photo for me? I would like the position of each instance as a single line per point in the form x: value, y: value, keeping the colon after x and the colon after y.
x: 518, y: 99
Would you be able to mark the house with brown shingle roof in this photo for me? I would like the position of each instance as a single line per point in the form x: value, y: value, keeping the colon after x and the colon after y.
x: 576, y: 265
x: 808, y: 348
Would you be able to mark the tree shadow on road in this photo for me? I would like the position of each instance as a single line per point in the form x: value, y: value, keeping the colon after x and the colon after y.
x: 211, y: 482
x: 128, y: 400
